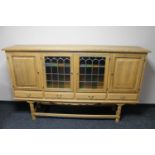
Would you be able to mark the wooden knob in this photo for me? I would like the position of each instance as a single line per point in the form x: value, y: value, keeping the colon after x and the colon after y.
x: 91, y: 97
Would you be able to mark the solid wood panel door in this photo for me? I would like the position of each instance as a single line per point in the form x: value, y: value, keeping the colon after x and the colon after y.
x: 91, y: 72
x: 126, y: 73
x: 25, y: 70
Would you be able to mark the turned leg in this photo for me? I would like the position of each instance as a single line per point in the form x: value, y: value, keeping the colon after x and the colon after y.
x: 31, y: 103
x: 118, y: 112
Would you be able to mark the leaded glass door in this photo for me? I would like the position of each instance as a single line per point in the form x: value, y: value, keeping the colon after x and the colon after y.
x: 92, y: 72
x: 58, y: 70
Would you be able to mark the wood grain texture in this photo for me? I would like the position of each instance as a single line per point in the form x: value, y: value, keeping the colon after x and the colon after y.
x: 82, y: 48
x: 31, y: 103
x: 91, y: 96
x: 126, y: 73
x: 74, y: 115
x: 59, y: 95
x: 118, y: 112
x: 118, y: 96
x: 25, y: 70
x: 78, y: 101
x: 28, y: 94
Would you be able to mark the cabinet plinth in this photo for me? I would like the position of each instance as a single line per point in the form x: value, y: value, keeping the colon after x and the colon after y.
x: 76, y: 75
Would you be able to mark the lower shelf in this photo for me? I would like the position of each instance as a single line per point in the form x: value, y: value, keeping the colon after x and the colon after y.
x: 74, y: 115
x: 44, y: 111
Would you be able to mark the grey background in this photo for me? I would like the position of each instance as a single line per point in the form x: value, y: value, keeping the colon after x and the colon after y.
x: 106, y: 35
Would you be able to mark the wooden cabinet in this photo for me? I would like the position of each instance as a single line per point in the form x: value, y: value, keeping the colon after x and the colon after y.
x: 126, y: 73
x: 25, y: 70
x: 76, y: 74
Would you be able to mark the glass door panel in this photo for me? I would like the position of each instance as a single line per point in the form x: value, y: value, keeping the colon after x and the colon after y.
x: 58, y: 72
x: 91, y: 73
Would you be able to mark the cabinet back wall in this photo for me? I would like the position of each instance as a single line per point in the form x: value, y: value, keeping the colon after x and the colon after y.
x: 115, y: 35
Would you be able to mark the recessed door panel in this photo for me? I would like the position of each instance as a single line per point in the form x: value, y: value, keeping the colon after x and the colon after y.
x: 126, y: 74
x: 25, y: 71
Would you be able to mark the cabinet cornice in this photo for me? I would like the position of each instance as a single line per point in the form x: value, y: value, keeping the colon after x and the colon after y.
x: 76, y: 48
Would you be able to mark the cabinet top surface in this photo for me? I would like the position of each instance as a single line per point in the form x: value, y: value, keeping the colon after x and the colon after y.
x: 77, y: 48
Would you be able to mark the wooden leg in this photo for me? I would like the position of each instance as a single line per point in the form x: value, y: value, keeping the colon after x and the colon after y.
x: 31, y: 103
x: 118, y: 112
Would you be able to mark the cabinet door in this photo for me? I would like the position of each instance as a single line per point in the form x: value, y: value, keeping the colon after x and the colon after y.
x: 91, y: 72
x: 126, y: 73
x: 25, y: 70
x: 58, y: 71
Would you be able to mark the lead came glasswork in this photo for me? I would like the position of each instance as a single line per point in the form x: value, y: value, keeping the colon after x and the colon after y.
x: 57, y: 72
x: 92, y: 72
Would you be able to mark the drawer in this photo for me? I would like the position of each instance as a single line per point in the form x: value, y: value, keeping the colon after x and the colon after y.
x: 91, y: 96
x: 28, y: 94
x: 114, y: 96
x: 53, y: 95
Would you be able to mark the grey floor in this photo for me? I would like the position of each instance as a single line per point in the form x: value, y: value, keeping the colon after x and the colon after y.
x: 16, y: 115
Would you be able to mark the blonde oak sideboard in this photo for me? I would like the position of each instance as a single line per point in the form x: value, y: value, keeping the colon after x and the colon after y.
x: 76, y: 75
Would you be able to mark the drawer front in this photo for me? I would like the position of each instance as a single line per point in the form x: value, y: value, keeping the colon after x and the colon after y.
x: 51, y: 95
x: 113, y: 96
x: 91, y: 96
x: 28, y: 94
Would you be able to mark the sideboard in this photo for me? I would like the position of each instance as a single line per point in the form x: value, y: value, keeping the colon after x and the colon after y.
x: 76, y: 75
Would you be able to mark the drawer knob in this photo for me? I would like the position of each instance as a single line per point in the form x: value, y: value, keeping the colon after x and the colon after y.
x: 91, y: 97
